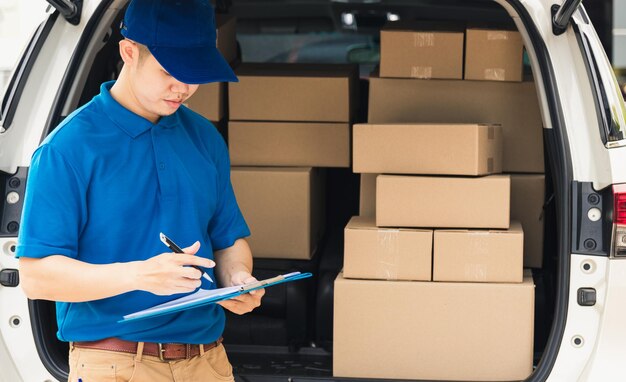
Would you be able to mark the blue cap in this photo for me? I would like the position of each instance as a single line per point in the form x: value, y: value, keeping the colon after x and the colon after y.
x: 182, y: 36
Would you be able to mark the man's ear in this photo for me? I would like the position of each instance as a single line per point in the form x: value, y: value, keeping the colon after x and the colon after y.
x: 128, y: 51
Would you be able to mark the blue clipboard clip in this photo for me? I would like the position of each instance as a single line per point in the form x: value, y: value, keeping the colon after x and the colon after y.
x: 205, y: 297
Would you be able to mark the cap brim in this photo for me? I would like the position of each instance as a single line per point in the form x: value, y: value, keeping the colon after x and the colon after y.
x: 197, y: 65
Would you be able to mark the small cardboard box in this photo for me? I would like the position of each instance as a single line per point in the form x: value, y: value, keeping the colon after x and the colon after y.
x: 527, y: 199
x: 293, y: 92
x: 289, y: 144
x: 209, y: 101
x: 493, y: 55
x: 433, y: 330
x: 438, y: 149
x: 386, y: 253
x: 226, y: 36
x: 479, y: 255
x: 367, y: 195
x: 446, y: 202
x: 420, y: 50
x: 284, y: 208
x: 513, y: 105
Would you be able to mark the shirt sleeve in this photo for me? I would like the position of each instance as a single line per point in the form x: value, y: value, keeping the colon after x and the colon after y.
x: 54, y: 210
x: 227, y: 224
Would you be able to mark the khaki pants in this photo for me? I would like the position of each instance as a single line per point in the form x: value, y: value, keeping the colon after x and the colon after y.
x: 107, y: 366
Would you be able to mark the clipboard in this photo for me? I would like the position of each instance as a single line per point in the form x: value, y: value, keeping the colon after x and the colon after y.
x: 211, y: 296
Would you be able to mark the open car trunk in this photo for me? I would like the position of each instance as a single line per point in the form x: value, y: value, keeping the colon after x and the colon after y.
x: 290, y: 337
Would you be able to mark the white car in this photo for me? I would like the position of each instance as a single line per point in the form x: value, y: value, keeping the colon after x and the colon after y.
x: 581, y: 290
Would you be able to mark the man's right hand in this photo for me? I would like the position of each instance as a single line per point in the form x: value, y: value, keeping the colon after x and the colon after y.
x: 171, y: 273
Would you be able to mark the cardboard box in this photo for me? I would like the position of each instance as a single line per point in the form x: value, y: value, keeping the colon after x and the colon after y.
x: 284, y: 208
x: 493, y: 55
x: 439, y: 149
x: 367, y: 197
x: 294, y: 92
x: 226, y: 36
x: 289, y: 144
x: 513, y: 105
x: 433, y: 331
x: 479, y: 255
x: 386, y: 253
x: 419, y: 50
x: 527, y: 200
x: 446, y: 202
x: 209, y: 101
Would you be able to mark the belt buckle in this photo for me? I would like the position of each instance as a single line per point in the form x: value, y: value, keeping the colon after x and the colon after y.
x: 161, y: 352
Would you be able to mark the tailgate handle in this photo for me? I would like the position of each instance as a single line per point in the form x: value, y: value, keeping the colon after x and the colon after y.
x: 9, y: 277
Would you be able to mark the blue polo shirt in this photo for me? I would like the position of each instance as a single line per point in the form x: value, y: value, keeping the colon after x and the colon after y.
x: 100, y: 189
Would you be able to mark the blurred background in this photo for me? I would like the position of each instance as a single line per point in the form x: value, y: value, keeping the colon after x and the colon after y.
x: 20, y: 18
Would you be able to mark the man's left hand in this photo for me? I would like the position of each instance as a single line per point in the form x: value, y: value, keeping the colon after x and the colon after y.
x: 247, y: 302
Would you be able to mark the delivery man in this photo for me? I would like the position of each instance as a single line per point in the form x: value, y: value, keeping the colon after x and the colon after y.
x: 131, y: 163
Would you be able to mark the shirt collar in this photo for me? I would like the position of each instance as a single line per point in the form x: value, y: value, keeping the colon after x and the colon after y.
x: 129, y: 122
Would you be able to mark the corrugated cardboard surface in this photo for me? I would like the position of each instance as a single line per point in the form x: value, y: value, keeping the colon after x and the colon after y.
x: 289, y: 144
x: 386, y: 253
x: 367, y: 197
x: 527, y: 199
x: 413, y: 52
x: 293, y: 92
x: 510, y: 104
x: 440, y: 149
x: 209, y: 101
x: 479, y: 255
x: 446, y: 202
x: 493, y: 55
x: 284, y: 208
x: 433, y: 330
x: 226, y: 37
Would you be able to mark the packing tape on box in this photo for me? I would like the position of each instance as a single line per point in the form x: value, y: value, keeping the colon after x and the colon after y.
x: 497, y: 35
x: 476, y: 272
x: 422, y: 40
x: 495, y: 74
x: 423, y: 72
x: 389, y: 257
x: 477, y: 247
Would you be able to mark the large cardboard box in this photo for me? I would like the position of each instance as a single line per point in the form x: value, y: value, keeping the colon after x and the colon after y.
x: 209, y: 101
x: 440, y: 149
x: 527, y: 200
x: 479, y: 255
x: 513, y: 105
x: 419, y: 50
x: 226, y: 36
x: 284, y: 208
x: 386, y: 253
x: 293, y: 92
x: 493, y: 55
x: 446, y: 202
x: 433, y: 331
x: 367, y: 195
x: 289, y: 144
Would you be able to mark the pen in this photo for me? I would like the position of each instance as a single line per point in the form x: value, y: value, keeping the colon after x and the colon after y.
x: 176, y: 249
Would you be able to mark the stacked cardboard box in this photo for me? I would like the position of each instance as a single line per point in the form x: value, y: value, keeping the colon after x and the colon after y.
x: 449, y: 180
x: 491, y: 93
x: 287, y: 121
x: 429, y: 50
x: 421, y: 50
x: 436, y: 234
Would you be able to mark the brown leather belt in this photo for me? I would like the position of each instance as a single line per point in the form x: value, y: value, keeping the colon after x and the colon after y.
x: 165, y: 352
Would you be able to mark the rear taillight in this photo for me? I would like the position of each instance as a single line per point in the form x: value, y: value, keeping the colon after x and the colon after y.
x: 619, y: 219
